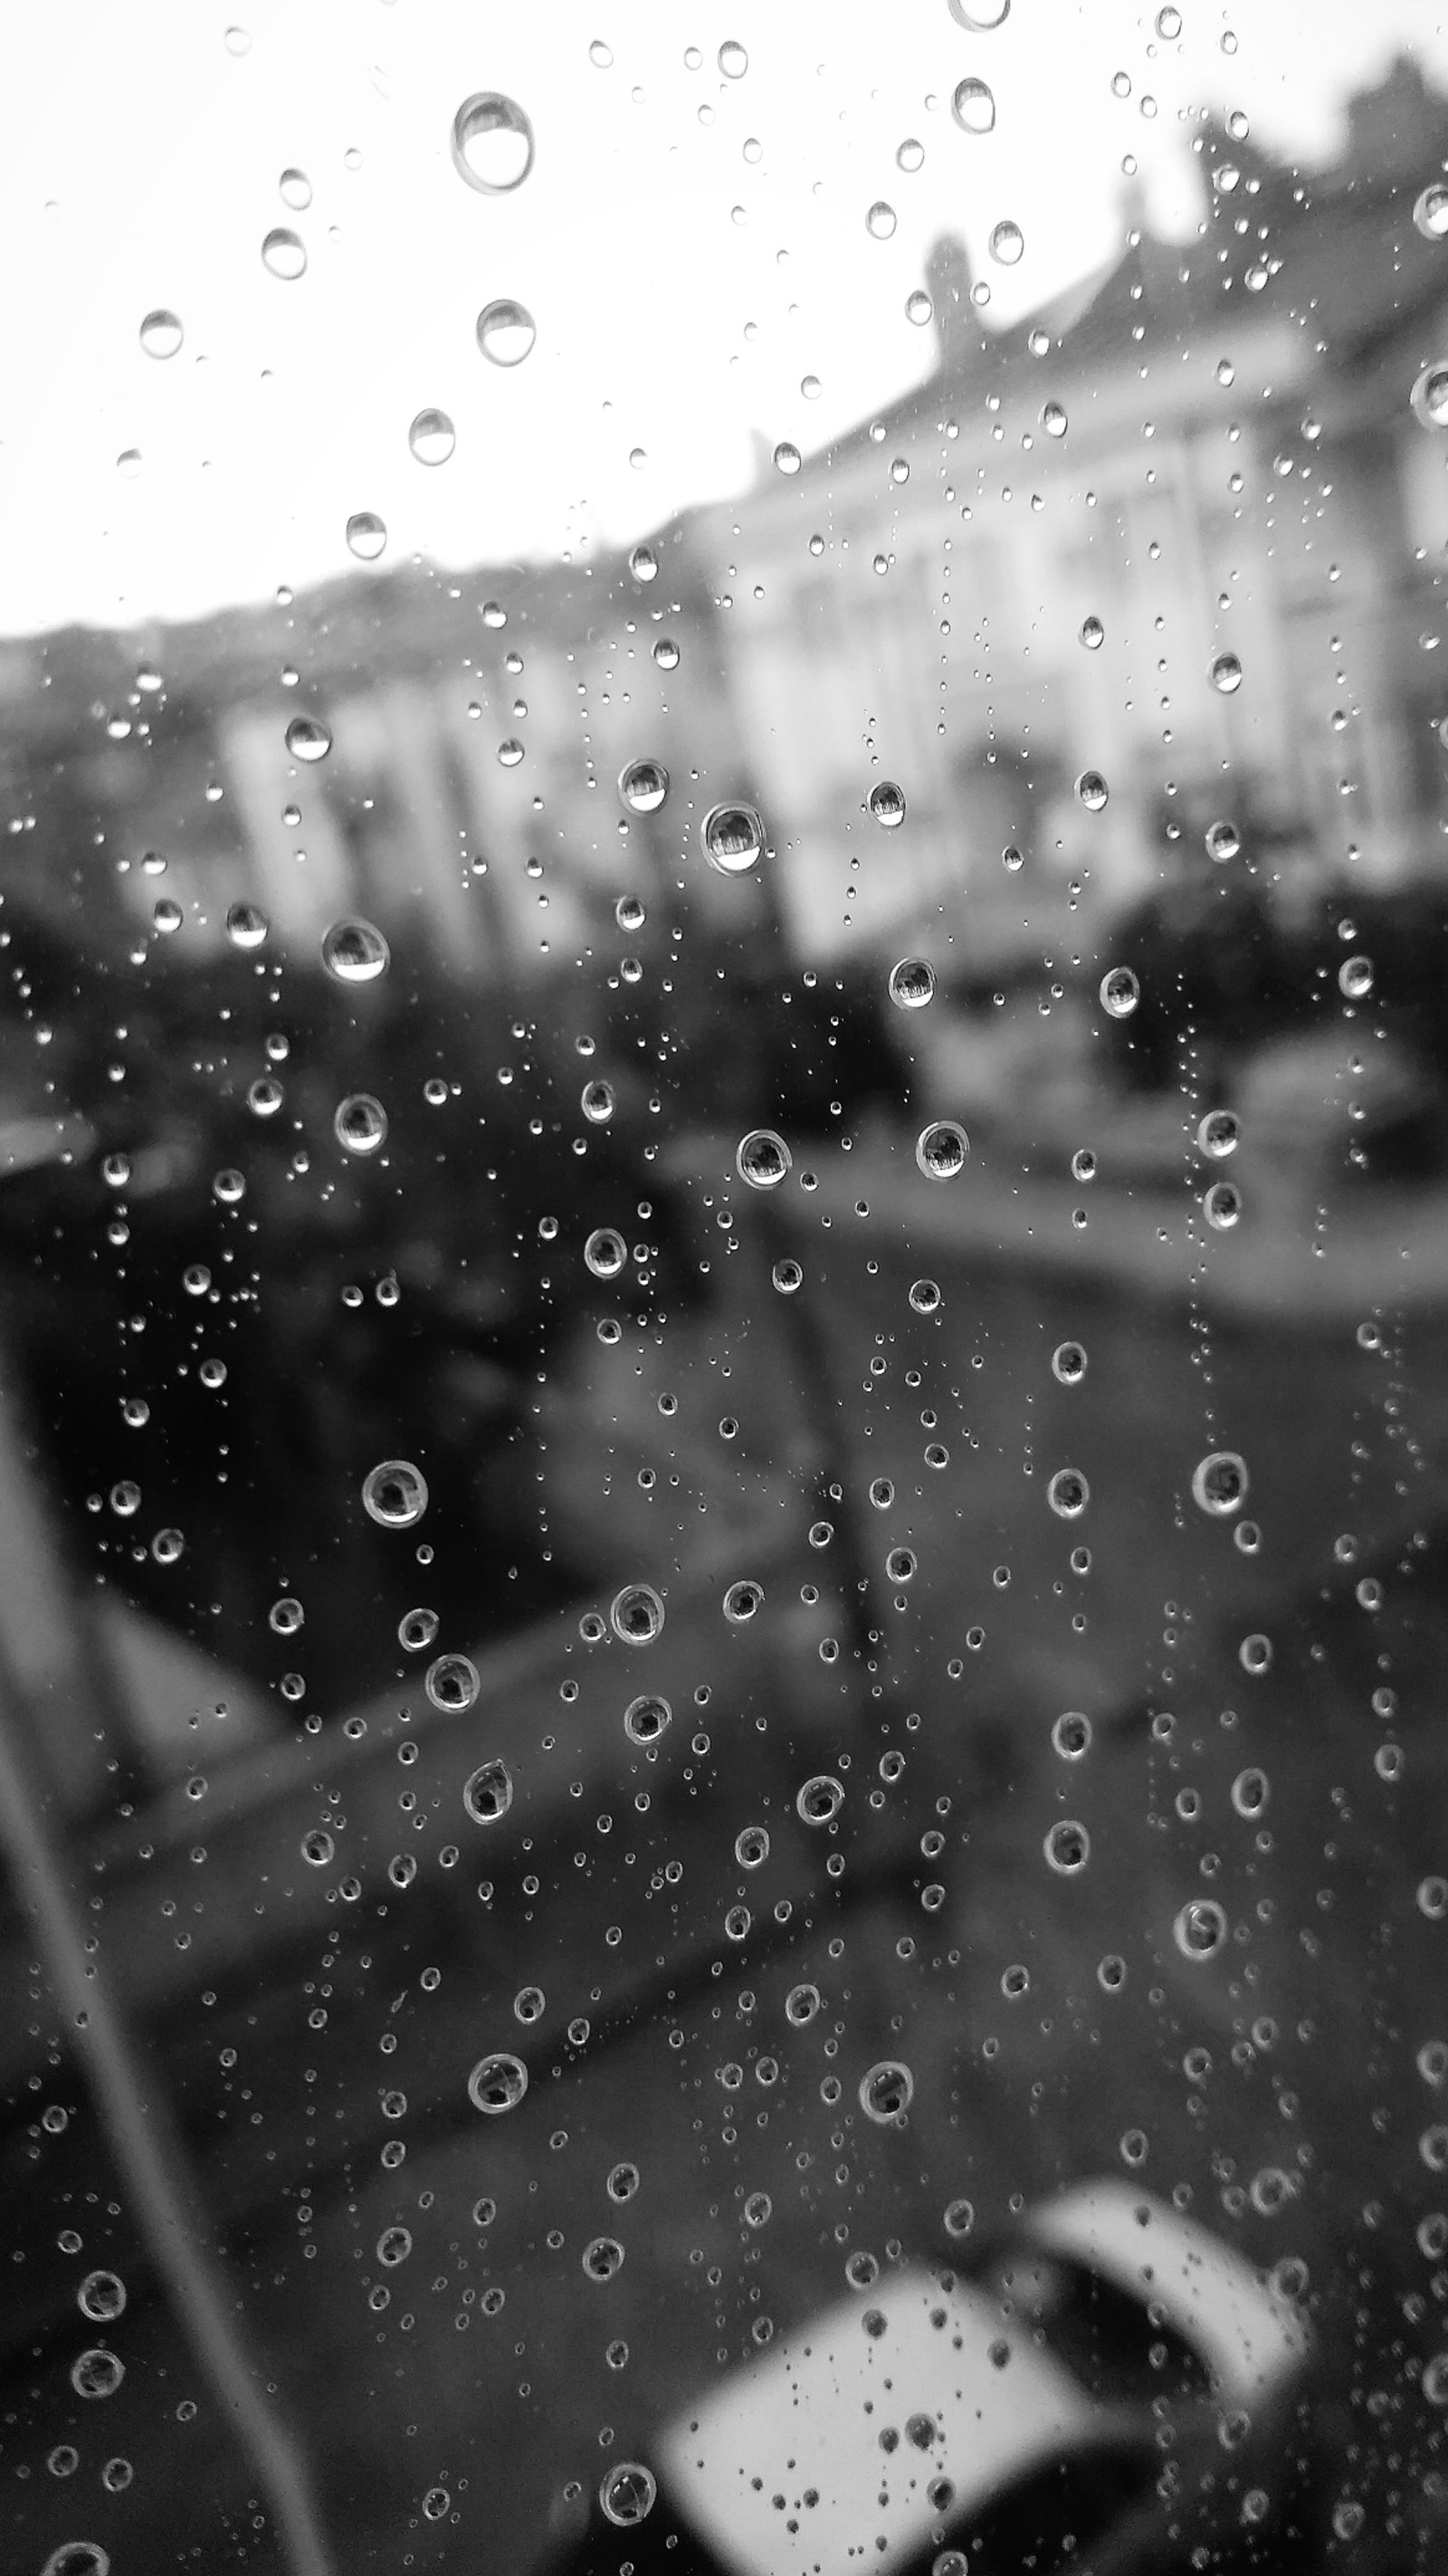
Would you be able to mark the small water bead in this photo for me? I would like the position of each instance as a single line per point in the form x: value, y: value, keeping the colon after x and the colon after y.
x: 247, y: 926
x: 941, y: 1150
x: 506, y: 332
x: 910, y: 155
x: 901, y: 1565
x: 1119, y: 993
x: 1067, y: 1847
x: 510, y: 754
x: 751, y: 1847
x: 763, y: 1159
x: 161, y: 334
x: 1092, y: 634
x: 1200, y: 1928
x: 264, y: 1097
x: 1255, y: 1655
x: 596, y: 1100
x: 282, y: 254
x: 1013, y: 860
x: 1068, y: 1363
x: 394, y: 1494
x: 1007, y: 242
x: 627, y: 2494
x: 636, y: 1614
x: 431, y: 437
x: 820, y: 1800
x: 882, y: 1493
x: 229, y: 1187
x: 887, y: 2091
x: 919, y: 310
x: 602, y: 2258
x: 1219, y: 1134
x: 647, y: 1718
x: 360, y: 1124
x: 101, y: 2297
x: 1430, y: 397
x: 1248, y: 1537
x: 1222, y: 1206
x: 666, y: 653
x: 733, y: 838
x: 167, y: 916
x: 1071, y: 1735
x: 887, y: 804
x: 787, y: 1276
x: 1219, y: 1483
x: 286, y: 1616
x: 880, y: 221
x: 488, y: 1791
x: 1054, y: 421
x: 979, y: 17
x: 732, y: 59
x: 642, y: 786
x: 355, y: 952
x: 96, y: 2373
x: 973, y: 107
x: 1092, y: 791
x: 1430, y: 213
x: 497, y: 2083
x: 1355, y: 978
x: 629, y: 912
x: 451, y: 1683
x: 366, y: 535
x: 212, y: 1373
x: 77, y: 2557
x: 492, y: 143
x: 605, y: 1252
x: 926, y: 1297
x: 912, y: 984
x: 787, y: 457
x: 742, y: 1602
x: 1226, y: 674
x: 801, y: 2005
x: 295, y: 190
x: 959, y: 2218
x: 1068, y: 1493
x: 1250, y: 1793
x: 308, y: 739
x: 643, y: 563
x: 394, y: 2245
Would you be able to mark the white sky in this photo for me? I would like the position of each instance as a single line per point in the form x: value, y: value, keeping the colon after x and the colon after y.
x: 141, y: 157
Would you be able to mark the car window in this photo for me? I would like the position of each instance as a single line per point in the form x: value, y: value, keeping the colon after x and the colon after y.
x: 723, y: 1270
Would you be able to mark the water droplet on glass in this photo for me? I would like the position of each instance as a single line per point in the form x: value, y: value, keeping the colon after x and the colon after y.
x: 820, y: 1800
x: 416, y: 1629
x: 919, y: 308
x: 605, y: 1252
x: 101, y: 2296
x: 492, y: 143
x: 295, y: 190
x: 1169, y: 25
x: 431, y: 437
x: 925, y: 1297
x: 1067, y: 1847
x: 308, y: 739
x: 488, y: 1792
x: 643, y: 785
x: 498, y: 2082
x: 1092, y: 634
x: 360, y: 1124
x: 912, y: 983
x: 629, y: 913
x: 941, y: 1150
x: 246, y: 925
x: 366, y: 535
x: 1068, y: 1493
x: 636, y: 1615
x: 1218, y: 1133
x: 1430, y: 213
x: 1007, y: 242
x: 1053, y: 420
x: 1226, y: 674
x: 161, y: 333
x: 229, y: 1186
x: 1430, y: 397
x: 666, y: 653
x: 76, y: 2557
x: 910, y: 154
x: 1255, y: 1655
x: 880, y: 220
x: 787, y: 458
x: 1222, y: 1206
x: 282, y: 254
x: 1355, y: 978
x: 887, y: 804
x: 1068, y: 1363
x: 643, y: 564
x: 801, y: 2005
x: 733, y: 838
x: 167, y: 916
x: 787, y: 1276
x: 96, y: 2373
x: 1200, y: 1928
x: 1119, y: 992
x: 395, y: 1493
x: 732, y: 59
x: 887, y: 2090
x: 1092, y: 790
x: 646, y: 1718
x: 600, y: 55
x: 451, y: 1683
x: 1250, y: 1792
x: 763, y: 1159
x: 742, y: 1601
x: 1219, y: 1483
x: 355, y: 952
x: 627, y: 2494
x: 973, y: 107
x: 506, y: 332
x: 1071, y: 1735
x: 1223, y: 841
x: 596, y: 1100
x: 978, y: 17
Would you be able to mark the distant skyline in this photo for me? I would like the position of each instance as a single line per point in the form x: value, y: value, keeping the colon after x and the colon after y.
x: 693, y: 248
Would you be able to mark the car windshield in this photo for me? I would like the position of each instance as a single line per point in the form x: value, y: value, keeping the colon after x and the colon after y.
x: 723, y: 1263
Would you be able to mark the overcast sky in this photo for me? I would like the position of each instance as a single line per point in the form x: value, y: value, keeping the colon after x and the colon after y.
x: 692, y: 247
